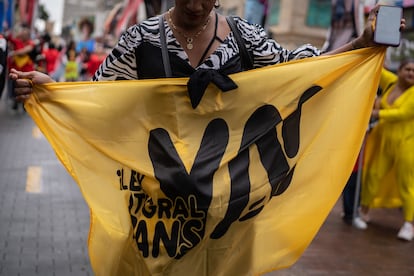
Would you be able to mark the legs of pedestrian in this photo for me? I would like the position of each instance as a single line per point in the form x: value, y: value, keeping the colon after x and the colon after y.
x: 351, y: 216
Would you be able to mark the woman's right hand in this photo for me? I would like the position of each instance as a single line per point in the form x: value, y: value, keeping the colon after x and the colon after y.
x: 24, y: 81
x: 376, y: 109
x: 366, y: 39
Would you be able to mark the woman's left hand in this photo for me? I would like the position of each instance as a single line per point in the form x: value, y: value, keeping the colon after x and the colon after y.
x: 24, y: 81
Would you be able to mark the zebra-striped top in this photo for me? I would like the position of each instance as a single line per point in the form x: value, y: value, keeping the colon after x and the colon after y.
x: 121, y: 63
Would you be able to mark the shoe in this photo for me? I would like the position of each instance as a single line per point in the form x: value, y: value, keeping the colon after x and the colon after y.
x: 359, y: 223
x: 406, y: 232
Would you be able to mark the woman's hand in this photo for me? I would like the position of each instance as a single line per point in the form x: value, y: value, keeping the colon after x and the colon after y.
x: 376, y: 109
x: 24, y: 81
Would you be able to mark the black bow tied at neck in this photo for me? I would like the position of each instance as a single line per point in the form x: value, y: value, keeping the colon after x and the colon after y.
x: 200, y: 79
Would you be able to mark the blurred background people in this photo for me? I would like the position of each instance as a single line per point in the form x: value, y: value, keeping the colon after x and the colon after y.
x: 351, y: 198
x: 344, y: 28
x: 72, y: 67
x: 389, y: 159
x: 3, y: 63
x: 51, y: 55
x: 87, y: 42
x: 255, y: 11
x: 345, y: 23
x: 20, y: 55
x: 60, y: 64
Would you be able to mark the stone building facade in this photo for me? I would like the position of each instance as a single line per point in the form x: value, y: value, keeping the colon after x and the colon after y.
x: 290, y: 22
x: 290, y: 31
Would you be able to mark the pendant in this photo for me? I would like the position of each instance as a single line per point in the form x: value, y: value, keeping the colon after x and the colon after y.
x: 189, y: 43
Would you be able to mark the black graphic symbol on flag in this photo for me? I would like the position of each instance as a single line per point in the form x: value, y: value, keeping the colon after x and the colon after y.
x: 260, y: 130
x: 196, y: 187
x: 176, y: 183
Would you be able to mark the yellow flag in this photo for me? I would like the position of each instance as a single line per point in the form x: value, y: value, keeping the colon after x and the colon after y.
x: 238, y: 185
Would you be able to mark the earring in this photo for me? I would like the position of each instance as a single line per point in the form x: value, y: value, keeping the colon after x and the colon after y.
x: 217, y: 4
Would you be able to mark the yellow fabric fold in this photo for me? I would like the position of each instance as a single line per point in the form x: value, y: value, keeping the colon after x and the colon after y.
x: 239, y: 185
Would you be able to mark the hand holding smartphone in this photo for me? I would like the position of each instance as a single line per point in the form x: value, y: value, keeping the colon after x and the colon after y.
x: 387, y: 26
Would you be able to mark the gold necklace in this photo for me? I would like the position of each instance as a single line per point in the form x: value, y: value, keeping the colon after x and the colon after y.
x: 188, y: 39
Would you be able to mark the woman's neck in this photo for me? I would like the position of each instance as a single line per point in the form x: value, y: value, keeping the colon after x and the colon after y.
x: 185, y: 27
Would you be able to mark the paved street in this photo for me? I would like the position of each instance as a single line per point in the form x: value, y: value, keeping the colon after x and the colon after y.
x: 44, y: 220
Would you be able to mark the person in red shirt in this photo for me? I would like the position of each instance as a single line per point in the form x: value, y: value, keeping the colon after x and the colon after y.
x: 95, y: 59
x: 51, y: 55
x: 21, y: 47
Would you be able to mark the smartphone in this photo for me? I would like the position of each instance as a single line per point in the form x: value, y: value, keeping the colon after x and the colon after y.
x: 387, y: 26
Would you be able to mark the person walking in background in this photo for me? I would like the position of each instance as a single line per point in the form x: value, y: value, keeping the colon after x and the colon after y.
x: 344, y: 28
x: 21, y: 47
x: 255, y: 11
x: 94, y: 61
x: 3, y: 63
x: 349, y: 199
x: 87, y: 42
x: 20, y: 50
x: 156, y: 7
x: 72, y: 67
x: 390, y: 144
x: 60, y: 65
x: 345, y: 23
x: 51, y: 55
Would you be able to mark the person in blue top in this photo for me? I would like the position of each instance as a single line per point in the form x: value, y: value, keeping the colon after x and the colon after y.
x: 255, y: 11
x: 87, y: 42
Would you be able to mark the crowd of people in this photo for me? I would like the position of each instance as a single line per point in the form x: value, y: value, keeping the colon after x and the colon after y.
x: 73, y: 60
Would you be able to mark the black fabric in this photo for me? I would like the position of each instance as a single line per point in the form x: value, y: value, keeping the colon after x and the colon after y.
x: 246, y: 58
x: 211, y: 42
x: 200, y: 79
x: 164, y: 49
x: 151, y: 66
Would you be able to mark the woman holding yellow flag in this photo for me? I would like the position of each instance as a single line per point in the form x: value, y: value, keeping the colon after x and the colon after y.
x: 191, y: 205
x: 390, y: 156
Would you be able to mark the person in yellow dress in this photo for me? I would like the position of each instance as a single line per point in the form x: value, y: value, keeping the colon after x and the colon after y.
x: 390, y: 148
x: 72, y: 67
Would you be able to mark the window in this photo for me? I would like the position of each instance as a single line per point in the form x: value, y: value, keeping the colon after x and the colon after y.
x: 274, y: 11
x: 319, y: 13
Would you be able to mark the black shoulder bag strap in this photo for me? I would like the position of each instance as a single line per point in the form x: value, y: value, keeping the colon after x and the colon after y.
x: 164, y: 50
x: 246, y: 59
